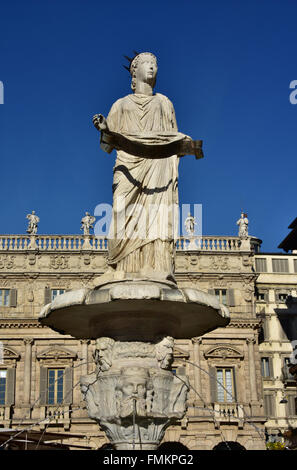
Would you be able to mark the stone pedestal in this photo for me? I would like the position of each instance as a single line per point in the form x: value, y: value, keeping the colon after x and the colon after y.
x: 133, y: 394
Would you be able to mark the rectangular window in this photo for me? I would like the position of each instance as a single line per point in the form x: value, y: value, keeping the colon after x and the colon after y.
x: 265, y: 367
x: 280, y: 265
x: 295, y: 265
x: 261, y: 265
x: 225, y: 385
x: 4, y: 297
x: 281, y: 296
x: 55, y: 386
x: 221, y: 295
x: 3, y: 380
x: 261, y: 296
x: 56, y: 292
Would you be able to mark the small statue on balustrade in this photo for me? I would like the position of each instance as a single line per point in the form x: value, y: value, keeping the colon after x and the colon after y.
x: 190, y: 223
x: 33, y: 223
x: 87, y: 223
x: 243, y: 226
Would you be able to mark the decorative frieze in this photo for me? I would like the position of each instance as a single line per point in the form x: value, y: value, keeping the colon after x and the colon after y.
x: 7, y: 261
x: 223, y: 351
x: 59, y: 262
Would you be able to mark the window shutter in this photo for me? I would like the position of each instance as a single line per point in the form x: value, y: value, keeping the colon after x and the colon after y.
x: 13, y: 298
x: 230, y: 298
x: 10, y: 386
x: 266, y: 405
x: 43, y: 386
x: 47, y: 296
x: 266, y: 329
x: 68, y: 386
x: 269, y: 405
x: 291, y: 407
x: 271, y: 374
x: 213, y: 384
x: 235, y: 372
x: 211, y: 291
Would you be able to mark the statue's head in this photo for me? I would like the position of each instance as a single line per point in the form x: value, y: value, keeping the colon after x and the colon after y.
x: 144, y: 68
x: 164, y: 352
x: 103, y: 353
x: 134, y: 381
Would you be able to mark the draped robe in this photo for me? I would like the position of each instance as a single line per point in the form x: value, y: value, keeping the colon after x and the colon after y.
x: 143, y: 230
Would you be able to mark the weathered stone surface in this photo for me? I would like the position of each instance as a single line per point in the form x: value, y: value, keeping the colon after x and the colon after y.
x: 131, y: 312
x: 132, y: 394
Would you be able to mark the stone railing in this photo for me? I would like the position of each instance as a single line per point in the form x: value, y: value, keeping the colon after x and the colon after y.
x: 96, y: 243
x: 5, y: 415
x: 55, y: 414
x: 210, y: 243
x: 2, y: 413
x: 228, y: 412
x: 52, y: 242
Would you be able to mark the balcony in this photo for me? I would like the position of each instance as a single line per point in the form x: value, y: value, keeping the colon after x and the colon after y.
x: 228, y: 413
x: 55, y: 415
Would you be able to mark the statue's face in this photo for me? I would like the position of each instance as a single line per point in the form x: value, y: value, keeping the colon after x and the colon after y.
x: 146, y: 70
x: 134, y: 386
x: 103, y: 351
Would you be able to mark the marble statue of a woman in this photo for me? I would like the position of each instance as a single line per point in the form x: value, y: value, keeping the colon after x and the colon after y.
x: 142, y: 127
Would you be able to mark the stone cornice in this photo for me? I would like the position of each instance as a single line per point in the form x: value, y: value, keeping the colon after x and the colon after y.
x: 244, y: 323
x: 20, y: 323
x: 34, y: 323
x: 208, y: 275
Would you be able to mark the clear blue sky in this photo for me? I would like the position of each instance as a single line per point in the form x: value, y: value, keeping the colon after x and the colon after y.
x: 226, y: 66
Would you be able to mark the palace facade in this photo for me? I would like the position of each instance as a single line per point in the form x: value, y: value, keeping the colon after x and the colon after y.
x: 40, y: 369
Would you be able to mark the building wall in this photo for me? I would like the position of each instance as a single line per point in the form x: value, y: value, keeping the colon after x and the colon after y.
x: 219, y: 264
x: 279, y: 319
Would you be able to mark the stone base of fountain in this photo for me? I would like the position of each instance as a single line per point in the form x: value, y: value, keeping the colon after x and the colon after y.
x: 133, y: 394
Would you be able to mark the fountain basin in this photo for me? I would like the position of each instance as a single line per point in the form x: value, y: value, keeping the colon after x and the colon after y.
x: 134, y: 310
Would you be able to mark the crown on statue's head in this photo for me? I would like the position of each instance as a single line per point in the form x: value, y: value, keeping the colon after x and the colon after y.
x: 133, y: 60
